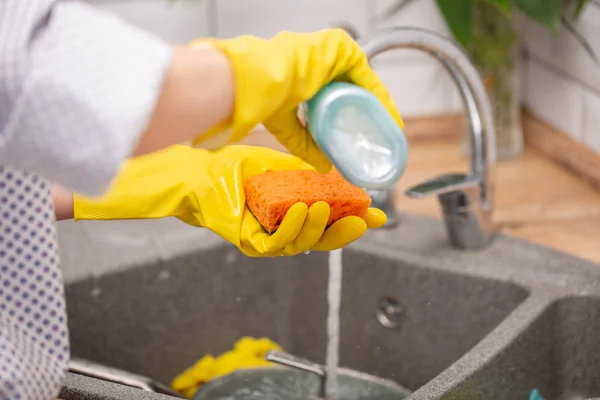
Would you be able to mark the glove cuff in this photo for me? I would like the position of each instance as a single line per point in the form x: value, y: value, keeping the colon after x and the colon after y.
x: 147, y: 187
x: 96, y: 209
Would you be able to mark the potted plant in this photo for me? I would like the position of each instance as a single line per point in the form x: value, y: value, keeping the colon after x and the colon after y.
x: 488, y: 31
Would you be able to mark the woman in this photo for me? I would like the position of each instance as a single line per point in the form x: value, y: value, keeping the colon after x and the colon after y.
x: 82, y: 91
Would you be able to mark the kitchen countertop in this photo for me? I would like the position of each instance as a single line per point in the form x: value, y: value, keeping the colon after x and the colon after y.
x: 535, y: 199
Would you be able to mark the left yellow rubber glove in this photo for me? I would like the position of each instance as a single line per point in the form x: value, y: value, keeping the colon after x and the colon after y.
x: 206, y: 189
x: 272, y: 77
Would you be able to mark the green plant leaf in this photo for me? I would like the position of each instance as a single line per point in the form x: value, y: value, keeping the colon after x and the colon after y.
x: 459, y: 17
x: 580, y: 6
x: 545, y: 12
x: 502, y: 5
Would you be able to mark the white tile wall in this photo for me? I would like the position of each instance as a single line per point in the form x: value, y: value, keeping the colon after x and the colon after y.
x: 555, y: 99
x: 564, y: 51
x: 177, y: 21
x: 421, y: 14
x: 564, y: 82
x: 265, y: 18
x: 420, y: 88
x: 418, y: 84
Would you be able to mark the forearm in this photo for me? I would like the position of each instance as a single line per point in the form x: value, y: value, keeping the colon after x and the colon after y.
x: 63, y: 203
x: 198, y: 93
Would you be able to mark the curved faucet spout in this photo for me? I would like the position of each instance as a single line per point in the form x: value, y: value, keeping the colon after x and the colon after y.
x: 466, y: 199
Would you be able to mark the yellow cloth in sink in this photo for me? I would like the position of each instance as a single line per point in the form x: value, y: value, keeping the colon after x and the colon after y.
x: 248, y: 352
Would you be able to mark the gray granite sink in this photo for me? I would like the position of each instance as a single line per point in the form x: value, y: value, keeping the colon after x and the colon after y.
x: 490, y: 324
x: 556, y: 351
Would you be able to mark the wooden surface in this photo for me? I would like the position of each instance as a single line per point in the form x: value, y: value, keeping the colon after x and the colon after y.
x: 536, y: 198
x: 449, y: 126
x: 563, y: 150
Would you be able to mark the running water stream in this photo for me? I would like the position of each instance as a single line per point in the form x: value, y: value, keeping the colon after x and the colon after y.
x: 334, y: 295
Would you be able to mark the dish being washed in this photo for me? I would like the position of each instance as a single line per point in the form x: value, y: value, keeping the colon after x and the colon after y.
x: 304, y: 382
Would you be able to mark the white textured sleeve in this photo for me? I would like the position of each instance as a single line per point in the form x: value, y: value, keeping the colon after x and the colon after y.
x: 77, y: 88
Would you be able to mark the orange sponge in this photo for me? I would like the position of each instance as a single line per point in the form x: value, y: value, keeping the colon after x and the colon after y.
x: 270, y: 195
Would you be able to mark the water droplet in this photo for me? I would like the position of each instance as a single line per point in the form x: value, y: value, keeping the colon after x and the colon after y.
x: 164, y: 274
x: 306, y: 251
x: 230, y: 258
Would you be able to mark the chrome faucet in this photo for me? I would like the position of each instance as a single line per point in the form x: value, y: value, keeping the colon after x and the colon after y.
x: 466, y: 199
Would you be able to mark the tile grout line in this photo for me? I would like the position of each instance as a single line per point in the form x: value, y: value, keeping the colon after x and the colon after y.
x: 559, y: 71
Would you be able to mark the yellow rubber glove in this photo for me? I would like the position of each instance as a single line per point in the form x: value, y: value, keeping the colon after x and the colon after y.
x: 206, y: 189
x: 248, y: 352
x: 272, y: 77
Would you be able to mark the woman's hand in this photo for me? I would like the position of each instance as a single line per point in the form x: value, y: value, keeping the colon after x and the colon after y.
x: 206, y: 189
x: 272, y: 77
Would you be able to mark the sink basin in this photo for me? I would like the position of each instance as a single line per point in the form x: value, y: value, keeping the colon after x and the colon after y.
x: 158, y: 319
x: 444, y: 323
x: 558, y: 352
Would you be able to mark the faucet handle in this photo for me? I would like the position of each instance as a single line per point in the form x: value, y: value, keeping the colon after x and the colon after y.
x: 467, y: 219
x: 441, y: 185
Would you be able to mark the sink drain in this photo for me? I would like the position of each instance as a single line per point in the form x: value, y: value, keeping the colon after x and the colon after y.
x: 389, y: 312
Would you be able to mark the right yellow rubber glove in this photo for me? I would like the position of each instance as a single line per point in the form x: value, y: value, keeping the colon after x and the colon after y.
x: 206, y: 189
x: 272, y: 77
